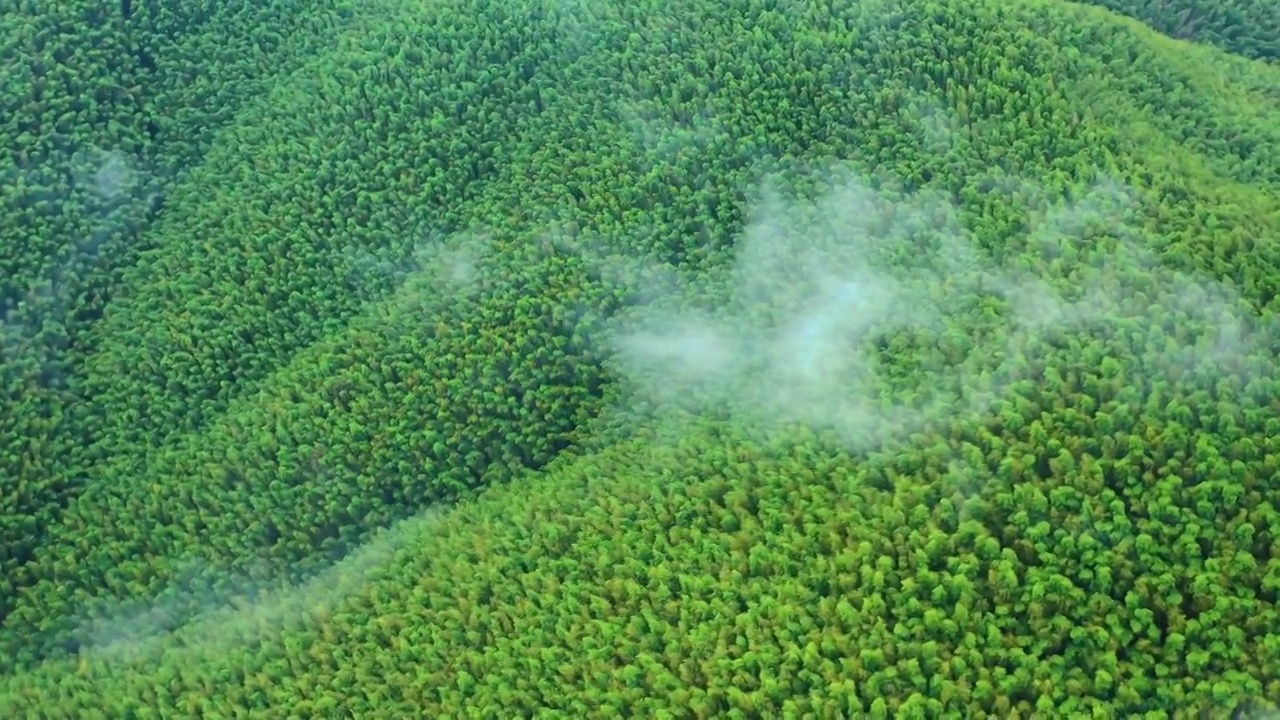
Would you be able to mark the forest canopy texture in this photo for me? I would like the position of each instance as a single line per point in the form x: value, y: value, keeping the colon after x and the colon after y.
x: 638, y: 359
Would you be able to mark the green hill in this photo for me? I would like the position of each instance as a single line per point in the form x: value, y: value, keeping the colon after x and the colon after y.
x: 104, y: 109
x: 1247, y: 27
x: 782, y: 359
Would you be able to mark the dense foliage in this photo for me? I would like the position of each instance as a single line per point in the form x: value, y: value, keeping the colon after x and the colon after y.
x: 1248, y: 27
x: 102, y: 111
x: 720, y: 577
x: 782, y: 357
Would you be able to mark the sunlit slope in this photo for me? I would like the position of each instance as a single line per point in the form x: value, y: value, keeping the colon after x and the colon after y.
x: 717, y: 576
x: 100, y: 115
x: 1246, y: 27
x: 1129, y: 385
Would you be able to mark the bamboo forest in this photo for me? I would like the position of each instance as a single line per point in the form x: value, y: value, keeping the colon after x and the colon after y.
x: 699, y: 359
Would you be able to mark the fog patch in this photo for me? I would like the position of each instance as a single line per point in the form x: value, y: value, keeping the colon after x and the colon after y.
x: 870, y: 314
x: 253, y: 610
x: 107, y: 196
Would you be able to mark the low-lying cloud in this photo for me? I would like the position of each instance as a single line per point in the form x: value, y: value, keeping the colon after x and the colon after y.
x: 870, y: 315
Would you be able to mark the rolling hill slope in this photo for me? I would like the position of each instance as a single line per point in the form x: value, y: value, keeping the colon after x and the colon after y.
x: 100, y: 117
x: 1250, y: 28
x: 784, y: 357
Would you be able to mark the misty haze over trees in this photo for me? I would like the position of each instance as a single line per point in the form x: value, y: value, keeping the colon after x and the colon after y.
x: 588, y: 358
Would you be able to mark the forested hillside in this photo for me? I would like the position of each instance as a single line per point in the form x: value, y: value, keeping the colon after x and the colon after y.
x: 756, y: 358
x: 1248, y: 27
x: 102, y: 112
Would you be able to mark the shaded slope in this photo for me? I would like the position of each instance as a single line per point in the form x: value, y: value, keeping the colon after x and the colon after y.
x: 279, y: 236
x: 307, y: 208
x: 100, y: 115
x: 1219, y: 106
x: 89, y: 89
x: 1246, y: 27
